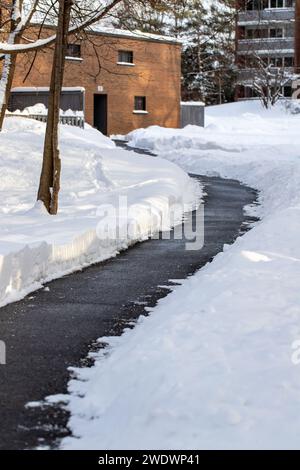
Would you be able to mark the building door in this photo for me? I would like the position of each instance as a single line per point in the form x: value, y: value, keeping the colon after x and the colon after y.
x: 100, y: 113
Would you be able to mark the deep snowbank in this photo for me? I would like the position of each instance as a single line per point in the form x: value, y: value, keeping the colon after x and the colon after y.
x: 242, y: 141
x: 35, y: 247
x: 213, y: 366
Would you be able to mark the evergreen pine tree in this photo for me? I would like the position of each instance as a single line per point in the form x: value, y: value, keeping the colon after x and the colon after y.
x: 208, y: 53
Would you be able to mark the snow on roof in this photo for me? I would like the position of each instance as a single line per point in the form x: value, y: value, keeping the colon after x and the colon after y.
x: 44, y: 88
x: 192, y: 103
x: 111, y: 31
x: 107, y: 30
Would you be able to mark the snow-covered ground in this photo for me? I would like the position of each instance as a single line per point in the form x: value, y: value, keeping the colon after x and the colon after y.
x: 215, y: 364
x: 34, y: 246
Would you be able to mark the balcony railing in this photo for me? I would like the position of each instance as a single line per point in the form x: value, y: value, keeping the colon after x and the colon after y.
x: 261, y: 45
x: 268, y: 15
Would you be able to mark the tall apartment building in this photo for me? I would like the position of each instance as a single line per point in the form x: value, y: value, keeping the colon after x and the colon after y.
x: 267, y: 32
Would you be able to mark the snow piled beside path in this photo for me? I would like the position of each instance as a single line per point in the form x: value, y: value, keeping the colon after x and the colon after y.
x: 36, y: 247
x: 213, y: 367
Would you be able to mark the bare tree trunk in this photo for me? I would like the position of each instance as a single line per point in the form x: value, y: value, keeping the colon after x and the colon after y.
x: 51, y: 169
x: 9, y: 61
x: 6, y: 81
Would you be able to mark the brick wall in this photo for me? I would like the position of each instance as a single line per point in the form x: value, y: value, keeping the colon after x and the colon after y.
x: 156, y: 75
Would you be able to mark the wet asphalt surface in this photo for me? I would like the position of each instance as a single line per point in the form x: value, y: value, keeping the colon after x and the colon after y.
x: 55, y: 328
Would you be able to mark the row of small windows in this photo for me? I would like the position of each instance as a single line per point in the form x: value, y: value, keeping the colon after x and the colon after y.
x: 264, y: 4
x: 124, y: 57
x: 248, y: 92
x: 280, y: 62
x: 264, y: 33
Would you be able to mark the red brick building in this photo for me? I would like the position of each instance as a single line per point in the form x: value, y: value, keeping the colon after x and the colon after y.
x: 122, y: 80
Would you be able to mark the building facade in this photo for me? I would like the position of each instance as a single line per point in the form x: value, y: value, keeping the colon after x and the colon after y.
x: 121, y: 80
x: 267, y: 32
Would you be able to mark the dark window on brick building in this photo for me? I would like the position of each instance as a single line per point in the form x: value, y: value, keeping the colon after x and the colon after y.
x: 125, y: 57
x: 140, y: 103
x: 73, y: 50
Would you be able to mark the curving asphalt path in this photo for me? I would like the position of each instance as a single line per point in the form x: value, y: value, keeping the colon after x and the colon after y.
x: 56, y: 328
